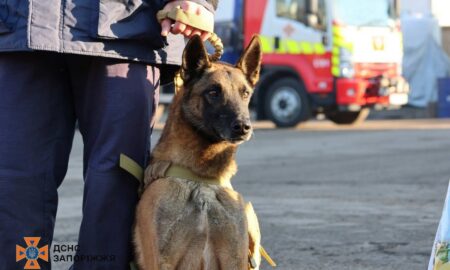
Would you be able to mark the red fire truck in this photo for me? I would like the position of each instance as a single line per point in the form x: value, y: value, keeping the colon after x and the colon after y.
x: 332, y: 57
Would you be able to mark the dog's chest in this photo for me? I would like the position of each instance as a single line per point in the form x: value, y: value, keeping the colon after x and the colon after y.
x: 206, y: 197
x: 205, y: 207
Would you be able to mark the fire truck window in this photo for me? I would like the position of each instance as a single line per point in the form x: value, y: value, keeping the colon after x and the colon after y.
x: 292, y: 9
x: 321, y: 16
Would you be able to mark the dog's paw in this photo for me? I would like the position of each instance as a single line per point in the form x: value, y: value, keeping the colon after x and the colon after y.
x: 155, y: 171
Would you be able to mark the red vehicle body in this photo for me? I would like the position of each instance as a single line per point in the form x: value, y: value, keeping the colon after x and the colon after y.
x: 319, y: 57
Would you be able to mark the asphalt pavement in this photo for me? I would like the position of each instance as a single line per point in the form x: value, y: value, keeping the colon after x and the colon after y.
x: 365, y: 197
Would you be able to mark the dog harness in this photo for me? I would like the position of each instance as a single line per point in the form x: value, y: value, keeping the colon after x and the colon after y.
x: 184, y: 173
x: 133, y: 168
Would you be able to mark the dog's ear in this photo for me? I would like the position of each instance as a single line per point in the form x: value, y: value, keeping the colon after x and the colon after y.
x: 195, y: 58
x: 250, y: 61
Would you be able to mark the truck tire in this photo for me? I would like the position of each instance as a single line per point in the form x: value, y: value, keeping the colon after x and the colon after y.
x: 348, y: 118
x: 286, y: 103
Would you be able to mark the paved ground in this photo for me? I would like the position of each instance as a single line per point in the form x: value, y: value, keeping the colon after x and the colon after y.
x: 329, y: 198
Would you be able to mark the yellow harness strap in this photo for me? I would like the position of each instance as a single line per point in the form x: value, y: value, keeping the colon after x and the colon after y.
x: 132, y: 167
x: 177, y: 171
x: 266, y: 256
x: 184, y: 173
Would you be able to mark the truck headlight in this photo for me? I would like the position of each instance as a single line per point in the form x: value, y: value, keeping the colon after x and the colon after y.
x: 345, y: 55
x: 347, y: 70
x: 346, y: 65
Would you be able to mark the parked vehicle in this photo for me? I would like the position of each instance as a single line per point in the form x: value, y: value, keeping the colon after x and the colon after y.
x: 336, y: 57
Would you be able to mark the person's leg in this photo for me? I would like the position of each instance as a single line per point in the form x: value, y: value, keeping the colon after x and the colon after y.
x: 36, y: 131
x: 114, y: 101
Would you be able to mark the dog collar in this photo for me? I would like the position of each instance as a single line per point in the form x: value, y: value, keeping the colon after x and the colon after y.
x: 184, y: 173
x: 177, y: 171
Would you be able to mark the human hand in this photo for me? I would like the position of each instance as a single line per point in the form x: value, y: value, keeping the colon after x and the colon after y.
x: 176, y: 27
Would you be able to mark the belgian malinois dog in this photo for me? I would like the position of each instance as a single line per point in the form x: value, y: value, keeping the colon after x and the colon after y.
x: 189, y: 217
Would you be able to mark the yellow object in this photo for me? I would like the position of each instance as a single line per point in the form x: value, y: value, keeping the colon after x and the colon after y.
x: 178, y: 81
x: 441, y: 256
x: 132, y: 167
x: 291, y: 46
x: 339, y: 41
x: 266, y: 256
x: 319, y: 48
x: 335, y: 61
x: 335, y: 51
x: 267, y: 44
x: 335, y: 71
x: 307, y: 47
x: 440, y: 266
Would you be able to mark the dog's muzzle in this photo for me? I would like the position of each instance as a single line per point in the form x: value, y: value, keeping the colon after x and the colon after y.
x: 241, y: 129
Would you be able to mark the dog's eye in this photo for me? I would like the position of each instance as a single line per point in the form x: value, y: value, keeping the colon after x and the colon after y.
x: 213, y: 93
x: 246, y: 94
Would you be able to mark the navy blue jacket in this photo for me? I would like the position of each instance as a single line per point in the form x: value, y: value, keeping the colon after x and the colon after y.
x: 125, y: 29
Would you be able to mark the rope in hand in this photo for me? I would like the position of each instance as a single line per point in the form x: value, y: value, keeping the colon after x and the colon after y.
x: 192, y: 19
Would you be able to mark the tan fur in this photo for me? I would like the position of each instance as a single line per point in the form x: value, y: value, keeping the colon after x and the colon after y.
x: 187, y: 225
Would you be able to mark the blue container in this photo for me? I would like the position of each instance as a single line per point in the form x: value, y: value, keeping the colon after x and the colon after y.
x: 443, y: 98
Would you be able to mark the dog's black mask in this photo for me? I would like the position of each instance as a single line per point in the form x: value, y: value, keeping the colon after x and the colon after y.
x: 217, y: 95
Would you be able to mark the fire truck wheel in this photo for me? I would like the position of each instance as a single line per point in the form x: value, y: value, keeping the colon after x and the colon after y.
x: 286, y: 103
x: 348, y: 118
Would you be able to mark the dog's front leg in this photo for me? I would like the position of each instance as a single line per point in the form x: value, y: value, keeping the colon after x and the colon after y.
x: 145, y: 246
x: 254, y: 236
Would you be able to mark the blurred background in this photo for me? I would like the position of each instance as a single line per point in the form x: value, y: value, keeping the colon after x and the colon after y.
x: 341, y: 59
x: 349, y: 162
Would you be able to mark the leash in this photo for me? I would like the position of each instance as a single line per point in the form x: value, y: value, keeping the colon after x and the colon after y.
x: 132, y: 167
x: 192, y: 19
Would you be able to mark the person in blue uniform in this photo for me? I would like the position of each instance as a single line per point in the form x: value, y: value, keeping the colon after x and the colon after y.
x: 99, y: 63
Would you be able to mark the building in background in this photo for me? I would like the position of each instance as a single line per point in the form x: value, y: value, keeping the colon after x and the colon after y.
x: 437, y: 8
x: 425, y: 58
x: 416, y: 6
x: 441, y: 9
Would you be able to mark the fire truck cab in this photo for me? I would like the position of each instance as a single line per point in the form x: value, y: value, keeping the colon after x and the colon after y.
x: 334, y: 57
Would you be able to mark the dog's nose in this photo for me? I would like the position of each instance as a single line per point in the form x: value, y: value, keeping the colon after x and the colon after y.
x: 241, y: 127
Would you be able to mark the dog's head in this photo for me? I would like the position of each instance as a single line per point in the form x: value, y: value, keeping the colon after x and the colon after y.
x: 216, y: 95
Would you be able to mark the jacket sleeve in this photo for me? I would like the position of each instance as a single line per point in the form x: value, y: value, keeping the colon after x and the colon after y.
x: 210, y: 5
